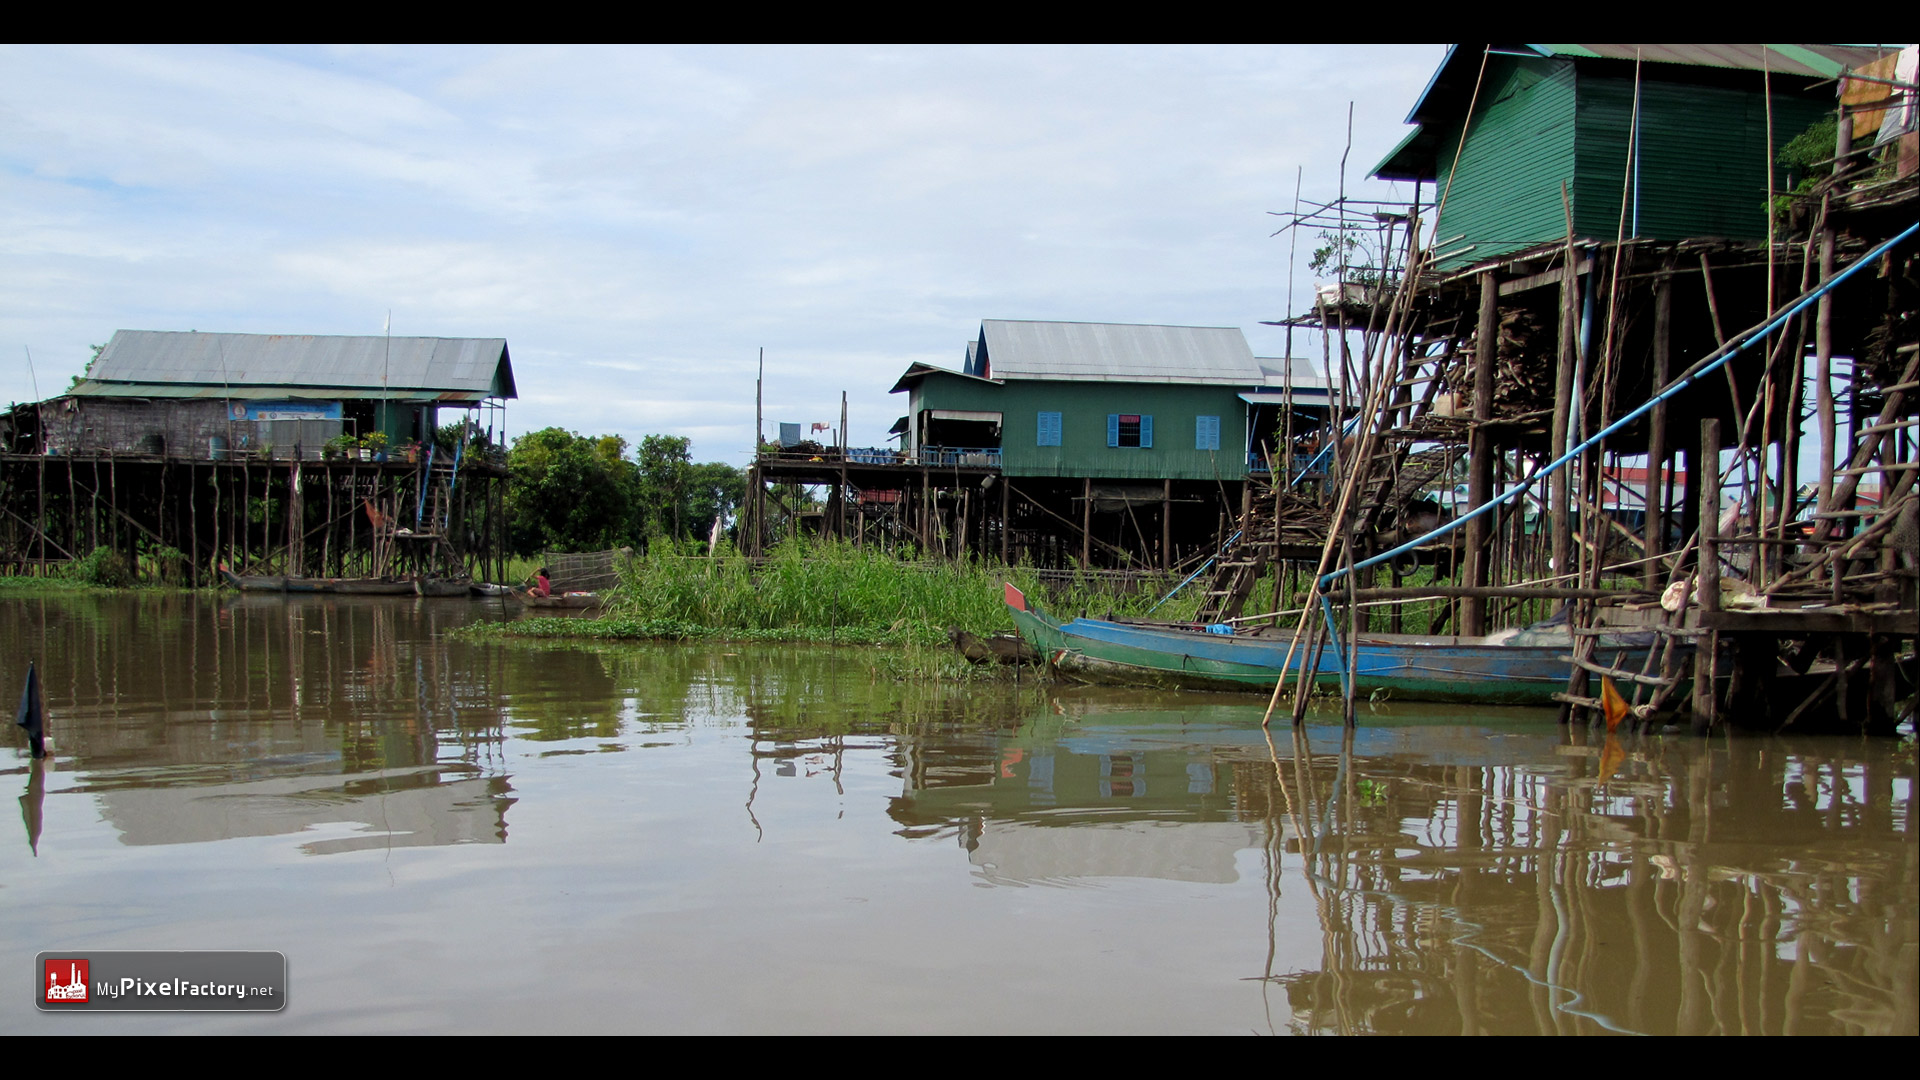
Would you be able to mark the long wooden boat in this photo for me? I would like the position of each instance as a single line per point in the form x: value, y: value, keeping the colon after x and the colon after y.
x: 359, y: 586
x: 254, y: 582
x: 1404, y: 667
x: 353, y: 586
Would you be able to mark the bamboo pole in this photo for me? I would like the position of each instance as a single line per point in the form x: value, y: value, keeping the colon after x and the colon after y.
x: 1823, y: 369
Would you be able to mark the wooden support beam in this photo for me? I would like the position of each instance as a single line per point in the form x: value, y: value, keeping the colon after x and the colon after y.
x: 1545, y: 277
x: 1473, y: 613
x: 44, y: 542
x: 1654, y: 536
x: 1166, y: 524
x: 1560, y: 484
x: 1086, y: 524
x: 1006, y: 503
x: 1707, y: 593
x: 1496, y: 592
x: 113, y: 505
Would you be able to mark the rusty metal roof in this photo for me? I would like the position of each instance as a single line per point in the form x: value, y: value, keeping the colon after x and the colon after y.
x: 1118, y: 352
x: 174, y: 364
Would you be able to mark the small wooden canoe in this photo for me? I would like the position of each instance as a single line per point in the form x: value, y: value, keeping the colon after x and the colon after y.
x: 575, y: 600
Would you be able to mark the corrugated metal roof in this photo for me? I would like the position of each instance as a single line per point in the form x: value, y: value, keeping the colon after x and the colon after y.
x: 470, y: 366
x: 1447, y: 92
x: 1303, y: 373
x: 1818, y: 61
x: 917, y: 371
x: 1118, y: 352
x: 93, y: 388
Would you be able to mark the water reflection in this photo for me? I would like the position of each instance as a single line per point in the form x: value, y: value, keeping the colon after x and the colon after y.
x: 1437, y: 871
x: 192, y: 718
x: 1743, y: 887
x: 1471, y: 880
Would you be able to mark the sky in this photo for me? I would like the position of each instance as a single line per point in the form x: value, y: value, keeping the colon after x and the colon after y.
x: 639, y: 222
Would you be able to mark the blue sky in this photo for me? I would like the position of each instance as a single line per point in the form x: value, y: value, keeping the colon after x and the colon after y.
x: 638, y: 222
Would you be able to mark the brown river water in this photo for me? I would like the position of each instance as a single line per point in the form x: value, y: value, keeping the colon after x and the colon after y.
x: 445, y: 836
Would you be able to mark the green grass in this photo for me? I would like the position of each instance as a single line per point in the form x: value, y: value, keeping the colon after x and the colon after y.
x: 815, y: 591
x: 823, y: 591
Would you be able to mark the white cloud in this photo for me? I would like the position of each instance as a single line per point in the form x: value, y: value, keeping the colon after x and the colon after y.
x: 638, y: 222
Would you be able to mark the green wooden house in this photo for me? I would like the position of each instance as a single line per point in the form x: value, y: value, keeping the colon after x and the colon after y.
x: 1100, y: 401
x: 1695, y: 165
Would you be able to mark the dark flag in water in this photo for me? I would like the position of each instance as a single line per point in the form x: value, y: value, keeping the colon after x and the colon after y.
x: 33, y: 714
x: 30, y: 810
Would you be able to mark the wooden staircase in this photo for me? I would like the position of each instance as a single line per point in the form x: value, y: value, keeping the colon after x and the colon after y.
x: 1241, y: 561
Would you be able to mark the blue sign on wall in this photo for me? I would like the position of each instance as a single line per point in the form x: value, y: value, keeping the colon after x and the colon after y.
x: 286, y: 410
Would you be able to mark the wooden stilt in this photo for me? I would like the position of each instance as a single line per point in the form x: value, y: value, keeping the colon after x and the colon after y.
x: 1706, y: 650
x: 1086, y: 524
x: 1654, y: 535
x: 1473, y: 615
x: 1166, y: 524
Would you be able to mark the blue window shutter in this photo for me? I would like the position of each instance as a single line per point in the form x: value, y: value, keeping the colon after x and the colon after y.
x: 1113, y: 429
x: 1146, y: 431
x: 1049, y: 429
x: 1206, y: 433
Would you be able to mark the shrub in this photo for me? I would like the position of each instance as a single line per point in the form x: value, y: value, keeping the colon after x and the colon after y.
x: 102, y: 566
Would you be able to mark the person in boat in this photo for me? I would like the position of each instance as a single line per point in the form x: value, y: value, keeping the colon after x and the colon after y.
x: 542, y: 586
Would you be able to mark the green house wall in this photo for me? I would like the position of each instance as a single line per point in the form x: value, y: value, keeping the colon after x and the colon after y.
x: 1703, y: 155
x: 1505, y: 195
x: 1084, y: 408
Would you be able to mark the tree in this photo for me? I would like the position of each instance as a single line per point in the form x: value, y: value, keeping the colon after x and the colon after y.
x: 665, y: 479
x: 568, y: 492
x: 714, y: 490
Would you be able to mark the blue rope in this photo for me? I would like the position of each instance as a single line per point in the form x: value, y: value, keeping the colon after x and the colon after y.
x: 420, y: 506
x: 1324, y: 451
x: 1231, y: 540
x: 1729, y: 351
x: 1339, y: 650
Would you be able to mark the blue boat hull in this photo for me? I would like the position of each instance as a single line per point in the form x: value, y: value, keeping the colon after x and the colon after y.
x: 1399, y: 667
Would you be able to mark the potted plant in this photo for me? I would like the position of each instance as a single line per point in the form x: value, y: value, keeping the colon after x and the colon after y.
x: 373, y: 446
x: 340, y: 446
